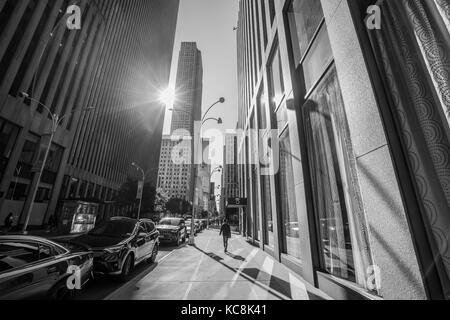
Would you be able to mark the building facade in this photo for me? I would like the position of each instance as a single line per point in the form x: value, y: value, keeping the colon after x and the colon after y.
x: 189, y: 89
x: 174, y: 176
x: 114, y: 65
x: 359, y: 201
x: 230, y: 179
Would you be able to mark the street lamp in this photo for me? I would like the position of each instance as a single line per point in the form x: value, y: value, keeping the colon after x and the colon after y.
x: 195, y: 169
x: 143, y: 181
x: 56, y: 121
x: 217, y: 169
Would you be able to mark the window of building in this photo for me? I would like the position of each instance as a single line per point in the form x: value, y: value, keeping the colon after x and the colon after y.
x: 8, y: 138
x: 290, y: 226
x: 276, y: 80
x: 17, y: 191
x: 305, y: 17
x: 271, y: 10
x: 64, y: 187
x: 262, y: 111
x: 340, y: 218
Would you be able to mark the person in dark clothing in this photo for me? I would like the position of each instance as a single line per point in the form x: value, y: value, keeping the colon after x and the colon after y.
x: 225, y: 231
x: 9, y: 220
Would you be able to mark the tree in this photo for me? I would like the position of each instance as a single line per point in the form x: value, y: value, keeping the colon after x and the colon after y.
x: 127, y: 195
x: 205, y: 214
x: 161, y: 199
x: 148, y: 198
x: 178, y: 206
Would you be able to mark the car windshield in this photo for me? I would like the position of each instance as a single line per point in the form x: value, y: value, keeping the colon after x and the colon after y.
x: 114, y: 228
x: 170, y: 222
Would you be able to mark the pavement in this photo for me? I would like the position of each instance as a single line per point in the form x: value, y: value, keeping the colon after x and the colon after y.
x: 205, y: 272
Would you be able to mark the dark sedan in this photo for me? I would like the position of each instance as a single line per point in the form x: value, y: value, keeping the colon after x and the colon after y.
x: 36, y: 268
x: 120, y: 244
x: 173, y: 230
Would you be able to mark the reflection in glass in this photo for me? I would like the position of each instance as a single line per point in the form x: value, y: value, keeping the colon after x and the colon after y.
x: 267, y: 207
x: 304, y: 18
x: 337, y: 200
x: 289, y: 219
x: 276, y: 80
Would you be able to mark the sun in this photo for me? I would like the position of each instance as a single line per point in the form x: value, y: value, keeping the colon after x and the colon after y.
x: 167, y: 97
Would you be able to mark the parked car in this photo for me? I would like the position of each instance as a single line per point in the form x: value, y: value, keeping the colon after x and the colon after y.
x: 173, y: 230
x: 204, y: 223
x: 198, y: 225
x: 120, y: 244
x: 37, y: 268
x: 188, y: 228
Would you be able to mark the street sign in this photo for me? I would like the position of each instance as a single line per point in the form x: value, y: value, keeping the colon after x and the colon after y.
x: 236, y: 202
x: 43, y: 145
x: 140, y: 190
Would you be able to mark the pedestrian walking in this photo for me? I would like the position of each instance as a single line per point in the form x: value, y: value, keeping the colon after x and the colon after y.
x: 9, y: 220
x: 225, y: 231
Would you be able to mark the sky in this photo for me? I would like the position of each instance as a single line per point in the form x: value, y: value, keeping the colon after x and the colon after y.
x: 210, y: 23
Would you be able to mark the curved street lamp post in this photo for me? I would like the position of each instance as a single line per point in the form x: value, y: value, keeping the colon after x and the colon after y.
x: 56, y: 121
x: 194, y: 166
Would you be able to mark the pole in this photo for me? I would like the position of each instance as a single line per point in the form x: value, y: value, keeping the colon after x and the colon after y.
x: 37, y: 181
x: 140, y: 198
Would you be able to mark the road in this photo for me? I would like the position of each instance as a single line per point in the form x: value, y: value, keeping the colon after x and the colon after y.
x: 102, y: 287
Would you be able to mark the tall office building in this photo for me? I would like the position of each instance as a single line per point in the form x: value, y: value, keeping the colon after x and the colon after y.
x: 175, y: 179
x: 230, y: 167
x: 189, y: 88
x: 230, y: 182
x: 359, y: 200
x: 116, y: 63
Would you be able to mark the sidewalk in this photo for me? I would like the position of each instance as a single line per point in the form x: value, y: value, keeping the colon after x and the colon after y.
x: 205, y: 272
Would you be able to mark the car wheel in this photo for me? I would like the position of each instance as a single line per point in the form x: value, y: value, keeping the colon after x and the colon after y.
x: 61, y: 292
x: 126, y: 269
x: 152, y: 258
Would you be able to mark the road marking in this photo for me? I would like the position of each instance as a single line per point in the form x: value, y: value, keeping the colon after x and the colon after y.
x: 111, y: 295
x: 166, y: 256
x: 243, y: 265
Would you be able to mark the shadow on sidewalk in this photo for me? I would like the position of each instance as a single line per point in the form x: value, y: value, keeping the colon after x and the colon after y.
x: 235, y: 257
x: 277, y: 287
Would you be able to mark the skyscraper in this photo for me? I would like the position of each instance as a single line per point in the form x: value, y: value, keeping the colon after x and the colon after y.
x: 116, y: 63
x: 175, y: 179
x: 189, y: 88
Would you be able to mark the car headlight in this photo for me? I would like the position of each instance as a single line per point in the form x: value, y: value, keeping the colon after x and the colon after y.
x: 112, y: 254
x: 114, y: 249
x: 174, y: 231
